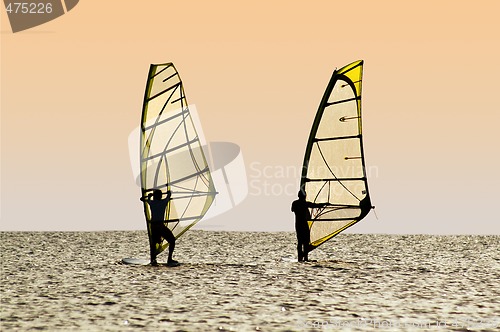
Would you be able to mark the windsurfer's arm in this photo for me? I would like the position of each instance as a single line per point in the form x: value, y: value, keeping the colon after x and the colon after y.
x: 146, y: 198
x: 316, y: 205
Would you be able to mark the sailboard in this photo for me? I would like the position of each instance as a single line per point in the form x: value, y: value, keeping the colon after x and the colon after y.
x: 334, y: 164
x: 143, y: 262
x: 171, y: 155
x: 135, y: 261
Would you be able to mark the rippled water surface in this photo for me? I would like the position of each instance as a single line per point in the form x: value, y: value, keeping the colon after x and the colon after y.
x: 249, y: 282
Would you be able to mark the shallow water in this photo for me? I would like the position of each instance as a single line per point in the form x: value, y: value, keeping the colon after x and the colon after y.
x: 249, y: 282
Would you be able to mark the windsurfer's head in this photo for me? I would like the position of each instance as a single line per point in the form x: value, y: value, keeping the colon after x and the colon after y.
x: 157, y: 194
x: 302, y: 194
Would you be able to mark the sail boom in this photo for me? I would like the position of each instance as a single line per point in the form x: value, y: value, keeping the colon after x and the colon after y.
x: 333, y: 219
x: 210, y: 193
x: 185, y: 218
x: 334, y: 179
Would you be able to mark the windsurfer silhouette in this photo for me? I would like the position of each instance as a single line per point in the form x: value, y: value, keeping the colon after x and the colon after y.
x: 302, y: 215
x: 159, y: 229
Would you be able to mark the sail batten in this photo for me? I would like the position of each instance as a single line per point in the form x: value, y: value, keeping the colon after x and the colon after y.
x: 334, y: 167
x: 171, y: 155
x: 171, y: 76
x: 173, y: 87
x: 175, y: 148
x: 336, y: 138
x: 183, y: 112
x: 159, y: 71
x: 343, y: 101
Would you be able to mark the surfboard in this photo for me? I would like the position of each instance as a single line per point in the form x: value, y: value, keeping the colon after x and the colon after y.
x: 288, y: 259
x: 294, y: 260
x: 135, y: 261
x: 141, y: 261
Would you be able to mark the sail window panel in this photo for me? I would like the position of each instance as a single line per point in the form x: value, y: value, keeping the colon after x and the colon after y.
x: 188, y: 206
x: 198, y: 160
x: 322, y: 229
x: 189, y: 130
x: 348, y: 192
x: 172, y: 211
x: 203, y: 186
x: 336, y: 192
x: 194, y: 186
x: 180, y: 164
x: 161, y: 108
x: 317, y: 192
x: 209, y: 199
x: 164, y: 78
x: 192, y: 209
x: 339, y: 120
x: 160, y: 140
x: 341, y: 92
x: 155, y: 174
x: 181, y: 206
x: 157, y: 152
x: 339, y: 213
x: 188, y: 188
x: 328, y: 160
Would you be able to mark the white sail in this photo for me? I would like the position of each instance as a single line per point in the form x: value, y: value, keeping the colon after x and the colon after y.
x: 171, y: 153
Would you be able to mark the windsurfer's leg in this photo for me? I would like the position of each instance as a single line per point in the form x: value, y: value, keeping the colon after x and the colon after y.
x: 152, y: 252
x: 307, y: 246
x: 171, y: 244
x: 299, y: 252
x: 171, y: 247
x: 303, y: 252
x: 153, y: 242
x: 303, y: 239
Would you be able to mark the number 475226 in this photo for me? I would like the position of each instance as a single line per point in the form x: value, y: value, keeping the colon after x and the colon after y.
x: 29, y: 8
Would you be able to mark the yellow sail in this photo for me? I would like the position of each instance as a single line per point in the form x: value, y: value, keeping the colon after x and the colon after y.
x: 334, y: 163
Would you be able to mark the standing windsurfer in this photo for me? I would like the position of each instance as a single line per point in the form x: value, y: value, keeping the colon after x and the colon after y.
x: 302, y: 215
x: 159, y: 229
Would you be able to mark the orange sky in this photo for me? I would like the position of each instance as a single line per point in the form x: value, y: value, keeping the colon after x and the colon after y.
x: 72, y: 89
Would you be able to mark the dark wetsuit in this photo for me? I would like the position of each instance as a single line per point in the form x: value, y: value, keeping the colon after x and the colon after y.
x: 159, y: 229
x: 302, y: 215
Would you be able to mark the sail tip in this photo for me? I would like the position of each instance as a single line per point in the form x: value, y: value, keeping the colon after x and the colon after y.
x: 165, y: 64
x: 358, y: 62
